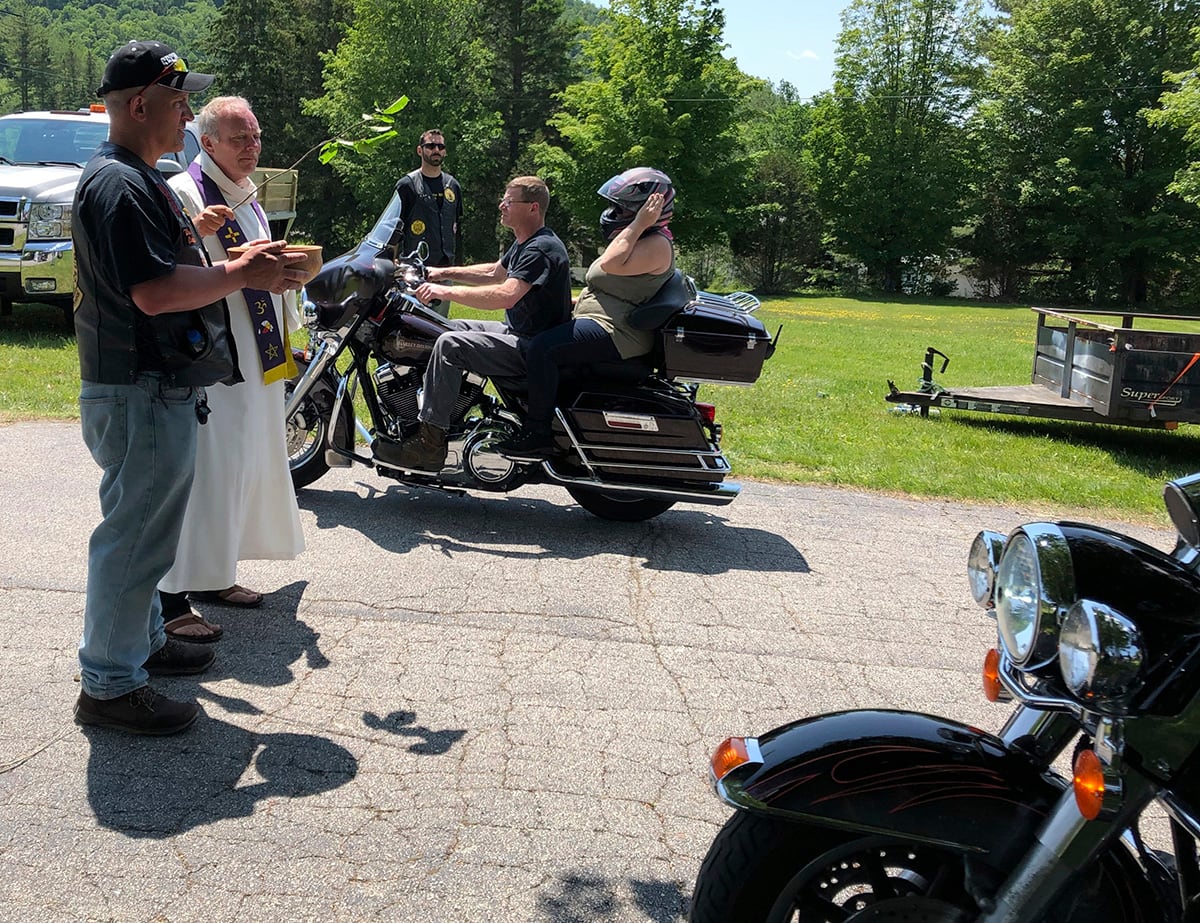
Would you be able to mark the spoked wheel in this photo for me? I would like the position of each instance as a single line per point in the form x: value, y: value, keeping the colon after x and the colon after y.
x: 760, y: 870
x: 618, y: 506
x: 308, y: 437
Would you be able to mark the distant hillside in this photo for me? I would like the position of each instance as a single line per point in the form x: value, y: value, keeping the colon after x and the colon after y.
x: 52, y: 52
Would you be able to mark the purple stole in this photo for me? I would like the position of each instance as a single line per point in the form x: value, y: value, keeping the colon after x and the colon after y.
x: 274, y: 348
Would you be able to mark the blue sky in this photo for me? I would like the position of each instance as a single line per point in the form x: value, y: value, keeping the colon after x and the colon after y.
x: 785, y: 40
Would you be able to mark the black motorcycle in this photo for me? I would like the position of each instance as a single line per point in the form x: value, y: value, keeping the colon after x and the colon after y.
x: 868, y: 816
x: 631, y: 438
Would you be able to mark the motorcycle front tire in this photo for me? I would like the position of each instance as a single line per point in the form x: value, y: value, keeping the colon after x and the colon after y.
x: 306, y: 446
x: 764, y: 870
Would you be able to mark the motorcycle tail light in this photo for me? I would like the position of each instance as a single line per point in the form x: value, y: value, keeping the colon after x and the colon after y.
x: 731, y: 754
x: 708, y: 412
x: 993, y: 689
x: 1088, y: 783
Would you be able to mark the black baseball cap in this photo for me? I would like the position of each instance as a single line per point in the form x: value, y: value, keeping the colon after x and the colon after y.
x: 140, y: 64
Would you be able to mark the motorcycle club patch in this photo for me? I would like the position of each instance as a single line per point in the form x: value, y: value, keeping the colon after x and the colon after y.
x: 418, y: 226
x: 449, y: 194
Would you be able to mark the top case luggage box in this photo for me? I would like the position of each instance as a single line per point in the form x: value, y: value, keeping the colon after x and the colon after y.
x: 707, y: 341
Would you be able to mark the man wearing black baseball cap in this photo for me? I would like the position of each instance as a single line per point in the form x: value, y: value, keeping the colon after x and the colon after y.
x: 143, y: 64
x: 152, y: 331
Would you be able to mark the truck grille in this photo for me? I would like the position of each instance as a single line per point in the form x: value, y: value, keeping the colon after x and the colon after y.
x: 6, y: 237
x: 9, y: 208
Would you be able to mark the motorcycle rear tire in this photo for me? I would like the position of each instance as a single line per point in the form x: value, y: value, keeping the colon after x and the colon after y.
x: 618, y: 506
x: 764, y: 870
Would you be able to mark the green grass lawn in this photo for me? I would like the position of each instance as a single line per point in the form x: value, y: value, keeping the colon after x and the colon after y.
x: 818, y: 415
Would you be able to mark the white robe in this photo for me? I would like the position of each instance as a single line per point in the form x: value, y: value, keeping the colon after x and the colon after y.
x: 242, y: 505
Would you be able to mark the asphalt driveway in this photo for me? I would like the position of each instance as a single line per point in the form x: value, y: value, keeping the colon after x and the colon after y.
x: 459, y: 708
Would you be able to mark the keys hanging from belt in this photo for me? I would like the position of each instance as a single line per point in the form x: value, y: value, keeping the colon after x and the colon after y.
x: 202, y: 409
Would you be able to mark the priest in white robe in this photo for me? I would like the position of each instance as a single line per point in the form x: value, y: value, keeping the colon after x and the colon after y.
x: 242, y: 505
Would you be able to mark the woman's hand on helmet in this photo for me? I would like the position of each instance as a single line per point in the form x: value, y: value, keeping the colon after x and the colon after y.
x: 650, y: 211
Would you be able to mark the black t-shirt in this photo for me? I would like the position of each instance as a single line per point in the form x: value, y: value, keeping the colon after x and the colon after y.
x: 541, y: 261
x: 129, y: 227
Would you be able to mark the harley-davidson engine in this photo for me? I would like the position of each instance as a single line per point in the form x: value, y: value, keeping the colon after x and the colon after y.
x: 398, y: 387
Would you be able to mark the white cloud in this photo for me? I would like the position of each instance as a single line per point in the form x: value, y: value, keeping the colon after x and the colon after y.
x: 807, y: 54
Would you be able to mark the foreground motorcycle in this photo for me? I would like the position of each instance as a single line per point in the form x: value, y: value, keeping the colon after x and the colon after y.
x: 868, y: 816
x: 632, y: 438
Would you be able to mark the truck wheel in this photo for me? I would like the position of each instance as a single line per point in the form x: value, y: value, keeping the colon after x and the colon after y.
x: 618, y: 506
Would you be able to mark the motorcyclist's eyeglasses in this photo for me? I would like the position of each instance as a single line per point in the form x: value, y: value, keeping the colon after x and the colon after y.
x: 433, y: 146
x: 506, y: 202
x: 177, y: 66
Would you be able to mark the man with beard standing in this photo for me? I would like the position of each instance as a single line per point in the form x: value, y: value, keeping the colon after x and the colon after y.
x: 431, y: 206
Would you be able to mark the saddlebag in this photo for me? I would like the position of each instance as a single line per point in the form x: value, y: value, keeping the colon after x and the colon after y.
x: 708, y: 341
x: 632, y: 434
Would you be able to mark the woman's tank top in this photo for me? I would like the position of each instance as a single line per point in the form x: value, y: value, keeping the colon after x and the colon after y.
x: 609, y: 298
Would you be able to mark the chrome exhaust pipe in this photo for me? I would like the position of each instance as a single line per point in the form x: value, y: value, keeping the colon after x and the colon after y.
x: 718, y: 495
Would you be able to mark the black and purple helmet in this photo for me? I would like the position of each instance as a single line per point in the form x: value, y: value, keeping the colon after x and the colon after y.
x: 628, y: 192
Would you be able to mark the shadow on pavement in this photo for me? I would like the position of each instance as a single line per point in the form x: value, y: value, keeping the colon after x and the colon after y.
x: 212, y: 772
x: 585, y: 897
x: 428, y: 741
x: 261, y: 644
x: 684, y: 539
x: 216, y: 770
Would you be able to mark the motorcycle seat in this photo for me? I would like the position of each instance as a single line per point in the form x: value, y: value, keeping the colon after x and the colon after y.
x: 626, y: 372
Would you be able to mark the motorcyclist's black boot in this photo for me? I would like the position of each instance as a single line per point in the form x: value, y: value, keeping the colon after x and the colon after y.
x: 529, y: 444
x: 423, y: 451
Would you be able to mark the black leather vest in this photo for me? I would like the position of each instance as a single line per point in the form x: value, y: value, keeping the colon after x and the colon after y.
x: 430, y: 217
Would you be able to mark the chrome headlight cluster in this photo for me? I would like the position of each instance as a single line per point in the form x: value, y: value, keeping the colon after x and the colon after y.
x: 1100, y: 652
x: 1035, y: 583
x: 308, y: 310
x: 1030, y: 580
x: 982, y: 561
x: 50, y: 221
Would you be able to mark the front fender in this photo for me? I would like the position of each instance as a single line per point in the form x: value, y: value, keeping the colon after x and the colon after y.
x: 893, y: 773
x: 324, y: 389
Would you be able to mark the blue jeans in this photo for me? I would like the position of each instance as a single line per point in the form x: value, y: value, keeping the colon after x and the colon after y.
x: 143, y: 437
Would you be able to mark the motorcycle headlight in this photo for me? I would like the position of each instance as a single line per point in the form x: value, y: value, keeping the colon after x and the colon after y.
x: 981, y: 566
x: 49, y: 221
x: 308, y: 310
x: 1034, y: 582
x: 1100, y: 653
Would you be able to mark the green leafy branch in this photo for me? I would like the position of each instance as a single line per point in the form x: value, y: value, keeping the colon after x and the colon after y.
x: 380, y: 125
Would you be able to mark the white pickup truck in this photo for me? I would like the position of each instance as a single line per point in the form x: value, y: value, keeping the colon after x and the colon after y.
x: 42, y: 155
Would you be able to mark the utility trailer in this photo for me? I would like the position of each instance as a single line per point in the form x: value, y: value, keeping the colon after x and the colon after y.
x: 1087, y: 370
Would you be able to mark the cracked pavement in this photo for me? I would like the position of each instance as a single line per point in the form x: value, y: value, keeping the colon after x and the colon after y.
x: 460, y: 708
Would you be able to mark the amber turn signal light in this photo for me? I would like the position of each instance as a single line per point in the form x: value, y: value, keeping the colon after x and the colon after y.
x: 993, y: 689
x: 1088, y: 782
x: 729, y: 756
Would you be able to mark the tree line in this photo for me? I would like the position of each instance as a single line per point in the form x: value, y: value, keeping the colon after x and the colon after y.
x: 1048, y: 149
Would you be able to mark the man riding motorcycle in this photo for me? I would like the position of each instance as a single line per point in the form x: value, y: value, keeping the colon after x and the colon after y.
x: 531, y: 283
